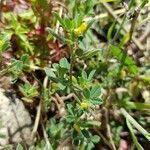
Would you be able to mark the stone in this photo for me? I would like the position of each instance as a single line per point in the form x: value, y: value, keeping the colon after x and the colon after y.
x: 15, y: 121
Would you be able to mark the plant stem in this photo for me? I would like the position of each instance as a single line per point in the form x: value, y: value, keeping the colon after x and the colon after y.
x: 135, y: 123
x: 71, y: 68
x: 135, y: 105
x: 109, y: 130
x: 73, y: 49
x: 120, y: 27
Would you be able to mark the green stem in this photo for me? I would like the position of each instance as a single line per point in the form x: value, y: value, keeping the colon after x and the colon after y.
x: 135, y: 105
x: 71, y: 68
x: 135, y: 123
x: 137, y: 144
x: 120, y: 27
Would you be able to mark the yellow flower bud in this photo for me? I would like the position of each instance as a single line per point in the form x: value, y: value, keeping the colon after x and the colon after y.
x: 81, y: 29
x: 84, y: 105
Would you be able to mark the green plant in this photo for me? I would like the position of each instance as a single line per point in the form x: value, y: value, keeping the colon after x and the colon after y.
x: 75, y: 66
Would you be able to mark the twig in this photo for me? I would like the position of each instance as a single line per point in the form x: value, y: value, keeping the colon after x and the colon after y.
x: 71, y: 95
x: 57, y: 104
x: 48, y: 145
x: 64, y: 143
x: 38, y: 115
x: 103, y: 138
x: 37, y: 119
x: 109, y: 130
x: 104, y: 15
x: 60, y: 105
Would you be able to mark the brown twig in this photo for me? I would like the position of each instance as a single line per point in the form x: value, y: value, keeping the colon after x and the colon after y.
x: 48, y: 145
x: 37, y: 119
x: 38, y: 114
x: 104, y: 15
x: 109, y: 134
x: 71, y: 95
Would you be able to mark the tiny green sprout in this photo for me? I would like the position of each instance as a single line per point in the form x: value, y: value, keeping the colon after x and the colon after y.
x: 29, y: 91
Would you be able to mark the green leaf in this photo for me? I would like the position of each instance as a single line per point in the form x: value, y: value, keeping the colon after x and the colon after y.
x: 69, y: 24
x: 25, y: 59
x: 110, y: 30
x: 89, y: 146
x: 62, y: 72
x: 55, y: 35
x: 4, y: 43
x: 124, y: 40
x: 86, y: 93
x: 90, y: 77
x: 137, y: 144
x: 2, y: 136
x: 144, y: 2
x: 91, y: 123
x: 26, y: 62
x: 95, y: 91
x: 134, y: 105
x: 59, y: 19
x: 88, y: 6
x: 135, y: 124
x: 49, y: 72
x: 131, y: 3
x: 61, y: 86
x: 70, y: 118
x: 95, y: 139
x: 16, y: 67
x: 64, y: 63
x: 59, y: 37
x: 89, y: 25
x: 25, y: 42
x: 90, y: 53
x: 27, y: 15
x: 19, y: 147
x: 124, y: 59
x: 84, y: 75
x: 70, y: 109
x: 96, y: 101
x: 4, y: 47
x: 28, y: 90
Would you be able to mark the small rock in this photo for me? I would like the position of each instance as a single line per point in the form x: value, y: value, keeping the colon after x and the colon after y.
x: 15, y: 121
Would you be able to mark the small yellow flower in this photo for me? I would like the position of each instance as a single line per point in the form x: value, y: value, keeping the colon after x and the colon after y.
x: 84, y: 105
x: 81, y: 29
x: 76, y: 127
